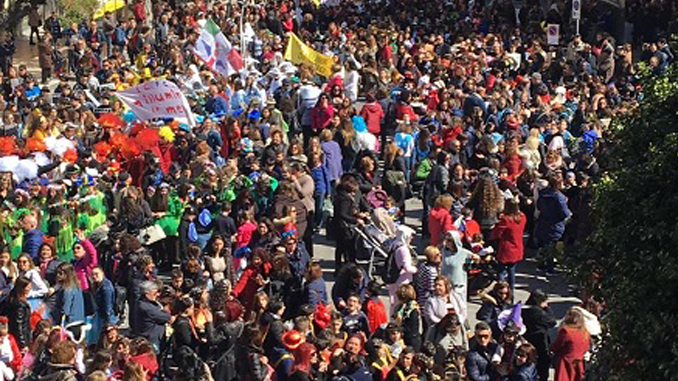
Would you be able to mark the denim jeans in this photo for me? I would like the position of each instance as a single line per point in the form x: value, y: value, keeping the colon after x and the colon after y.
x: 319, y: 198
x: 409, y: 162
x: 508, y: 270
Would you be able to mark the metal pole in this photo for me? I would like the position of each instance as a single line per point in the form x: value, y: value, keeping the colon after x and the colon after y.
x: 577, y: 27
x: 242, y: 31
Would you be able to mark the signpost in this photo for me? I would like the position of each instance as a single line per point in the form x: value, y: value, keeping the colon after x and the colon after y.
x: 517, y: 6
x: 576, y: 12
x: 553, y: 34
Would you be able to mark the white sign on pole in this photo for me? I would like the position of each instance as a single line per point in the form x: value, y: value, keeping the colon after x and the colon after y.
x: 158, y: 99
x: 576, y: 9
x: 552, y: 34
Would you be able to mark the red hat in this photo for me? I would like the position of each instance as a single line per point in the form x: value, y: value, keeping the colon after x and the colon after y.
x: 293, y: 339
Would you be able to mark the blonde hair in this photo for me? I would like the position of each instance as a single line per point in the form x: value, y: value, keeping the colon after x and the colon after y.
x: 444, y: 201
x: 406, y: 293
x: 532, y: 143
x: 431, y: 252
x: 326, y: 135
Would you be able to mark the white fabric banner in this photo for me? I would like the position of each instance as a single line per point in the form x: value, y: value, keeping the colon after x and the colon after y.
x: 158, y: 99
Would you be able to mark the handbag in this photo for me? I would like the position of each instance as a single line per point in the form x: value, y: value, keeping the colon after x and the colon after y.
x: 151, y: 234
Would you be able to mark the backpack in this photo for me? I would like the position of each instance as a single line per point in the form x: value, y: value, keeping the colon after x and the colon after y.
x: 376, y: 314
x: 390, y: 272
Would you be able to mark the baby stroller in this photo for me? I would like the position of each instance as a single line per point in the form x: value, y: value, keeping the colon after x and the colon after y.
x: 371, y: 244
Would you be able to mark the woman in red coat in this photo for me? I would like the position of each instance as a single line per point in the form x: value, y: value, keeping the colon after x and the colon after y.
x: 252, y: 278
x: 440, y: 220
x: 572, y: 342
x: 509, y: 234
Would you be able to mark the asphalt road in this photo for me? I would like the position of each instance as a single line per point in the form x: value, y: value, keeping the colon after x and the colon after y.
x: 526, y: 275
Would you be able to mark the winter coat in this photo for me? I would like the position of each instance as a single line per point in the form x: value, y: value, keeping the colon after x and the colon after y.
x: 333, y: 159
x: 315, y: 292
x: 32, y: 242
x: 491, y: 308
x: 45, y: 54
x: 345, y: 210
x: 247, y: 287
x: 59, y: 372
x: 478, y: 364
x: 48, y: 271
x: 553, y: 214
x: 70, y: 305
x: 224, y: 340
x: 526, y: 372
x: 85, y: 265
x: 150, y: 321
x: 373, y: 114
x: 104, y: 296
x: 509, y: 233
x: 345, y: 287
x: 439, y: 223
x: 19, y: 325
x: 321, y: 180
x: 185, y: 334
x: 537, y: 322
x: 569, y: 348
x: 436, y: 183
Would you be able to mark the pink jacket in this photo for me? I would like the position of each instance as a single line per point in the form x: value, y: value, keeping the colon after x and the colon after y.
x: 83, y: 266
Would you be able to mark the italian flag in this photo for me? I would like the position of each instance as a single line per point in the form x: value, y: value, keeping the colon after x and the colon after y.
x: 215, y: 50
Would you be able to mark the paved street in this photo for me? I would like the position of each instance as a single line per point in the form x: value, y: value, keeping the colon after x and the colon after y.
x: 526, y: 277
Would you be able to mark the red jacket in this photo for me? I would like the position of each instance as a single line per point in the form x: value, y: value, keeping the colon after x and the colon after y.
x: 17, y: 360
x: 320, y: 118
x: 509, y: 233
x: 439, y: 222
x: 404, y: 108
x: 139, y: 11
x: 373, y: 113
x: 513, y: 165
x: 247, y: 286
x: 569, y: 348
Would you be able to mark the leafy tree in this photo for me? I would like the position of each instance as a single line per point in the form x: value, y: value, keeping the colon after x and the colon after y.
x: 631, y: 260
x: 74, y: 11
x: 10, y: 19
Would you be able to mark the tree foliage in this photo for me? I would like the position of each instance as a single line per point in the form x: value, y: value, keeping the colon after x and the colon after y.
x: 631, y: 260
x: 74, y: 11
x: 10, y: 19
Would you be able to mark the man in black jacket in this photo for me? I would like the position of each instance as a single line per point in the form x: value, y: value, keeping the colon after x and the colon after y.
x: 479, y: 365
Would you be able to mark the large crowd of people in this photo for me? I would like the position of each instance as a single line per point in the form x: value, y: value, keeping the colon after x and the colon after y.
x: 151, y: 250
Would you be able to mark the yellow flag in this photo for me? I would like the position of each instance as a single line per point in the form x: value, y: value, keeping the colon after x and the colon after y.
x: 109, y: 6
x: 297, y: 52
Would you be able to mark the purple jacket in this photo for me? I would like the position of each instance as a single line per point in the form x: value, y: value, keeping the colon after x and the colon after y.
x: 333, y: 160
x: 84, y: 265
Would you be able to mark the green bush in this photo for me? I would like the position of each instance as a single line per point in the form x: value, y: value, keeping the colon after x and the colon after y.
x: 633, y: 251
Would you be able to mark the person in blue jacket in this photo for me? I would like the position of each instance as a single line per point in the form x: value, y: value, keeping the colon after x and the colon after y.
x: 104, y: 298
x: 32, y: 236
x: 151, y: 317
x: 553, y: 216
x: 315, y: 290
x: 352, y: 280
x: 70, y: 304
